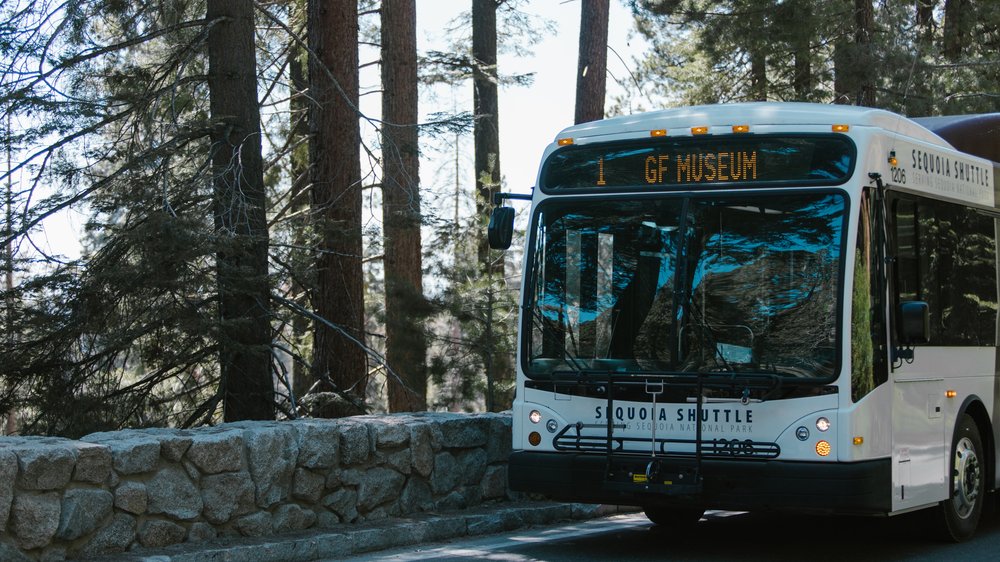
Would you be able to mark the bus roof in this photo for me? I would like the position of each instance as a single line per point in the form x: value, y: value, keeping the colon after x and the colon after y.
x: 757, y: 113
x: 978, y: 135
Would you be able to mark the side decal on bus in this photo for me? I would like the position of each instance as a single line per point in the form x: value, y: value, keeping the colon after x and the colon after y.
x: 964, y: 178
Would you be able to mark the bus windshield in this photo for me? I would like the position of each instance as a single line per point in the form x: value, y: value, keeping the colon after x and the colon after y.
x: 745, y: 283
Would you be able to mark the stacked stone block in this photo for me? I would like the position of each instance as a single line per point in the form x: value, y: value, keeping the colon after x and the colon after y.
x: 115, y: 491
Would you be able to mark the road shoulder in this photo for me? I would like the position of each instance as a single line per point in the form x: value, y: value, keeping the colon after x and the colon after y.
x: 341, y: 541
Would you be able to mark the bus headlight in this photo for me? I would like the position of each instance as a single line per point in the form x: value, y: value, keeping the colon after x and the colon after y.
x: 802, y: 433
x: 822, y: 424
x: 552, y: 426
x: 535, y: 416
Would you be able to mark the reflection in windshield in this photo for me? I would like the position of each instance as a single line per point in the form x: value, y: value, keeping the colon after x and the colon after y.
x: 745, y: 284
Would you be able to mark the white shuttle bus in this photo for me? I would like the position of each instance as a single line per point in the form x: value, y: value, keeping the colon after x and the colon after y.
x: 774, y: 306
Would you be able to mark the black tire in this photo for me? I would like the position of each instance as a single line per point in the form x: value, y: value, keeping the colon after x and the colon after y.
x: 960, y: 513
x: 674, y: 517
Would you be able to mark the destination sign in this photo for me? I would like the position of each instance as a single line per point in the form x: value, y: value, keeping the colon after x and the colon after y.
x: 659, y: 163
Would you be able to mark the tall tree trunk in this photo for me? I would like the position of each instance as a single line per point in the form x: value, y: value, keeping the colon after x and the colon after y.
x: 841, y: 60
x: 299, y: 170
x: 842, y: 83
x: 240, y: 221
x: 920, y: 91
x: 592, y: 64
x: 957, y: 16
x: 864, y: 16
x: 758, y: 75
x: 758, y: 61
x: 487, y: 148
x: 925, y: 20
x: 486, y: 133
x: 853, y: 66
x: 334, y: 151
x: 10, y: 424
x: 406, y: 347
x: 802, y: 52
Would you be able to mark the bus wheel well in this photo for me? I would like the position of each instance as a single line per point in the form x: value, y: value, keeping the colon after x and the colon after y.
x: 982, y: 419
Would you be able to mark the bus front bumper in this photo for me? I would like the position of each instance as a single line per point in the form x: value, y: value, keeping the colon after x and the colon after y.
x: 827, y: 487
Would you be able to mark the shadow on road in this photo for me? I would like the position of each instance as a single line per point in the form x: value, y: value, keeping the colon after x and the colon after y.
x: 719, y: 536
x: 750, y: 537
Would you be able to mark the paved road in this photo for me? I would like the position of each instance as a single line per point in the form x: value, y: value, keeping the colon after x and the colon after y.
x: 719, y: 536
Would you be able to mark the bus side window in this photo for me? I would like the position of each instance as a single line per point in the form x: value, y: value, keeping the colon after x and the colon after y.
x: 907, y: 269
x: 946, y: 256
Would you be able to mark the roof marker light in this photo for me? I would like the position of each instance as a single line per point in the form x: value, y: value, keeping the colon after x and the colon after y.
x: 564, y: 142
x: 841, y: 128
x: 699, y: 130
x: 741, y: 128
x: 658, y: 133
x: 892, y: 158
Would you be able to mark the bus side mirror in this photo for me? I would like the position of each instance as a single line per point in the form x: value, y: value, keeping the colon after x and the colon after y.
x: 500, y: 232
x: 914, y: 323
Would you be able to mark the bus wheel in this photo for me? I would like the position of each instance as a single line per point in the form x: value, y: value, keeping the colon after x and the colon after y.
x: 673, y: 517
x: 961, y: 512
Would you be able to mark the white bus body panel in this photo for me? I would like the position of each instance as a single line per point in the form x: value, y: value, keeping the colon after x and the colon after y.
x: 923, y: 418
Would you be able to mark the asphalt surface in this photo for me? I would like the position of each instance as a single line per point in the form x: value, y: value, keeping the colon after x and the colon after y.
x: 555, y: 532
x: 720, y: 536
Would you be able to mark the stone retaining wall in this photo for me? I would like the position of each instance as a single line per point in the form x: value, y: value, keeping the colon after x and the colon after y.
x: 110, y: 492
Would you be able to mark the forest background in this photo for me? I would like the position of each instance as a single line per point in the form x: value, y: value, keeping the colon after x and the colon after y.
x: 283, y: 203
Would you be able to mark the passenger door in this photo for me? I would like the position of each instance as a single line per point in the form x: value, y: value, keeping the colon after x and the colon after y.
x: 919, y: 460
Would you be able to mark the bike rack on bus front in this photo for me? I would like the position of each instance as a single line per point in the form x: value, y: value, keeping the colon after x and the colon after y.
x: 668, y: 466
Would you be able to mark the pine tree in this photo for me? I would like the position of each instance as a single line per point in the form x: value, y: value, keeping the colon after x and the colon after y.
x: 719, y: 51
x: 903, y: 57
x: 299, y: 258
x: 958, y: 18
x: 240, y: 204
x: 864, y: 62
x: 475, y: 325
x: 486, y: 134
x: 591, y: 68
x: 133, y: 333
x: 338, y: 343
x: 406, y: 347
